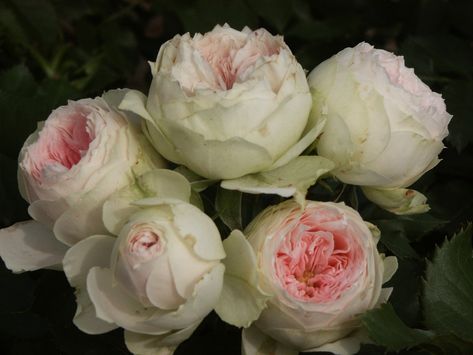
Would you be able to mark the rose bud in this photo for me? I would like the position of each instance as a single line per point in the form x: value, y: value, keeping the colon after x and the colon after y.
x: 384, y: 127
x: 68, y: 167
x: 226, y: 103
x: 314, y: 271
x: 158, y: 272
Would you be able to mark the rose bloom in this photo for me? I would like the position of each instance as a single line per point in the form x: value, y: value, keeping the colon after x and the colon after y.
x: 226, y: 103
x: 81, y: 154
x: 384, y: 126
x: 322, y: 269
x: 156, y: 274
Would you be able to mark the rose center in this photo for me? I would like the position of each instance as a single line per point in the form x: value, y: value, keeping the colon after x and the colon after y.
x: 62, y: 143
x: 316, y: 265
x: 145, y: 244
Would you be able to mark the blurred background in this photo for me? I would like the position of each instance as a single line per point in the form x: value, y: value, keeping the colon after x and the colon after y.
x: 55, y: 50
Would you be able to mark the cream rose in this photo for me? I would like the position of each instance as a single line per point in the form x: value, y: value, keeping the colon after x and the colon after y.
x: 384, y: 127
x: 226, y: 103
x: 156, y: 274
x: 78, y: 157
x: 317, y: 268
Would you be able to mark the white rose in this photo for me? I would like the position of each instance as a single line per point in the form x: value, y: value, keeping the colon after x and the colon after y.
x: 68, y: 167
x: 225, y: 104
x: 158, y: 272
x: 384, y: 127
x: 318, y: 269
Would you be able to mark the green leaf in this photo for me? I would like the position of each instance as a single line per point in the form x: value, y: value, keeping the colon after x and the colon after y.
x: 393, y: 236
x: 38, y: 18
x: 387, y: 329
x: 228, y: 206
x: 448, y: 294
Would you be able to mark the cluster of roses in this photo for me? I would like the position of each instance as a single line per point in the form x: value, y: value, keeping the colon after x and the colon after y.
x: 235, y: 108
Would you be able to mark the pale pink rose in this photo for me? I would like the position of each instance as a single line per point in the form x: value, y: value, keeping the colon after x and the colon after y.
x: 220, y: 102
x: 322, y: 269
x: 384, y: 126
x: 81, y: 154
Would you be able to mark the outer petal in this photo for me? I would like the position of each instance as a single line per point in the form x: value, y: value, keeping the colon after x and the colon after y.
x: 84, y: 218
x: 346, y: 346
x: 143, y: 344
x: 292, y: 179
x: 28, y: 246
x: 398, y: 201
x: 47, y: 212
x: 160, y: 183
x: 203, y: 300
x: 90, y: 252
x: 114, y: 305
x: 254, y: 342
x: 241, y: 301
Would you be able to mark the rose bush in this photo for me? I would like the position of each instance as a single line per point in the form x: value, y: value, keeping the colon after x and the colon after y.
x: 78, y: 157
x: 157, y: 273
x: 227, y: 103
x: 312, y: 273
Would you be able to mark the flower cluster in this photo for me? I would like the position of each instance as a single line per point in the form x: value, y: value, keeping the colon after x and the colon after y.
x: 114, y: 187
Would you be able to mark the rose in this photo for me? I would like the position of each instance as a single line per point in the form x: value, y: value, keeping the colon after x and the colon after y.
x: 319, y: 270
x: 226, y: 103
x: 80, y: 155
x: 384, y: 126
x: 161, y: 274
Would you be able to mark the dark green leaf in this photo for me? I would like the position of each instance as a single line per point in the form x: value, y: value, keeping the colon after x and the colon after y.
x: 386, y: 328
x: 393, y: 236
x: 228, y: 206
x: 448, y: 295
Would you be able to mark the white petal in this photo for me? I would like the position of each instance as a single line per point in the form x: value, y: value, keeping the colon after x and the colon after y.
x: 134, y: 101
x: 114, y: 305
x: 193, y: 223
x: 79, y: 259
x: 47, y: 212
x: 165, y: 344
x: 346, y: 346
x: 187, y: 269
x: 390, y: 267
x: 28, y: 246
x: 255, y: 342
x: 90, y: 252
x: 241, y: 301
x: 160, y: 287
x: 399, y: 201
x: 294, y: 178
x: 205, y: 296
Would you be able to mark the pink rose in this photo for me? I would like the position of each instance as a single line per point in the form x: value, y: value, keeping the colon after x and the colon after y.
x: 318, y: 268
x: 80, y: 155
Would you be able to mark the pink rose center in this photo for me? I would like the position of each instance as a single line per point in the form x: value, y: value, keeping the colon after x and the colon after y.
x: 62, y: 143
x: 230, y: 58
x: 145, y: 244
x: 319, y: 258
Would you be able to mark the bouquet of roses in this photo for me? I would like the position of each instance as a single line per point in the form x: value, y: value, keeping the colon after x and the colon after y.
x: 131, y: 195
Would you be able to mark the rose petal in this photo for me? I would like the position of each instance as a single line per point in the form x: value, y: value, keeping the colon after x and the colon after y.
x: 28, y: 246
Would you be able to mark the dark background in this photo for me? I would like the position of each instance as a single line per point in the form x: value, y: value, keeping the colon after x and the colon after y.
x: 55, y: 50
